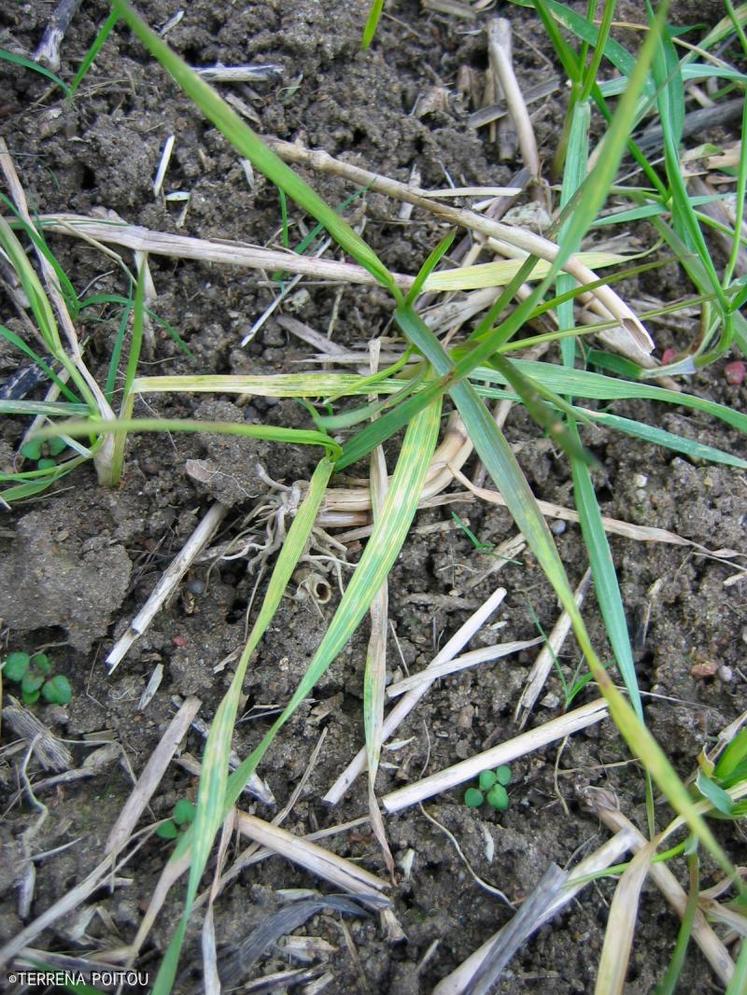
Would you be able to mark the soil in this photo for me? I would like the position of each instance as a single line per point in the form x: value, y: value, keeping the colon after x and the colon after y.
x: 76, y: 564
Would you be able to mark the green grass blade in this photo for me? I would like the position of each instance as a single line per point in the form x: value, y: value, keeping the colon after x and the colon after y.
x: 595, y: 188
x: 576, y: 383
x: 738, y: 983
x: 372, y: 22
x: 671, y: 104
x: 68, y: 290
x: 119, y: 339
x: 249, y: 145
x: 383, y: 428
x: 429, y: 265
x: 382, y: 549
x: 616, y: 53
x: 500, y: 462
x: 583, y: 383
x: 19, y: 344
x: 133, y: 357
x: 37, y: 298
x: 669, y: 440
x: 270, y: 433
x: 606, y: 586
x: 90, y: 56
x: 531, y: 395
x: 21, y: 60
x: 740, y: 195
x: 603, y: 571
x: 211, y: 807
x: 603, y: 37
x: 42, y: 309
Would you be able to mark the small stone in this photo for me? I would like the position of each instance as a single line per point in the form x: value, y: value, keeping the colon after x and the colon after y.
x: 298, y: 301
x: 704, y: 669
x: 558, y: 527
x: 465, y: 716
x: 734, y: 373
x: 726, y: 674
x: 640, y: 480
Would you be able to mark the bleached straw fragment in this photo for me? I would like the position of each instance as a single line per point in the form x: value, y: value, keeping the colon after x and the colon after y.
x: 238, y: 74
x: 48, y: 50
x: 163, y: 165
x: 499, y: 53
x: 604, y: 805
x: 485, y: 654
x: 103, y: 873
x: 520, y: 238
x: 545, y: 659
x: 609, y: 853
x: 167, y: 583
x: 504, y: 753
x: 151, y: 776
x: 615, y: 526
x: 340, y: 872
x: 403, y: 707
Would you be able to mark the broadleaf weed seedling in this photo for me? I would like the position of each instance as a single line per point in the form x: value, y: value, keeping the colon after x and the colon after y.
x: 43, y: 453
x: 37, y: 679
x: 492, y: 789
x: 182, y: 817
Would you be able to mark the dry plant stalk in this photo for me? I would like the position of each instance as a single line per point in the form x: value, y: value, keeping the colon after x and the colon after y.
x: 103, y: 872
x: 618, y: 936
x: 403, y: 707
x: 49, y: 751
x: 151, y: 776
x: 504, y: 753
x: 609, y: 853
x: 520, y: 239
x: 48, y: 49
x: 604, y: 805
x: 499, y: 53
x: 485, y: 654
x: 227, y: 253
x: 337, y: 870
x: 641, y: 533
x: 545, y: 659
x: 631, y: 331
x: 168, y: 582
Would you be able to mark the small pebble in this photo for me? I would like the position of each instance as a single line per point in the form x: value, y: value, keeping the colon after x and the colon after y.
x: 726, y: 674
x: 640, y: 480
x: 734, y: 373
x: 558, y: 527
x: 705, y: 669
x: 465, y: 717
x: 196, y: 586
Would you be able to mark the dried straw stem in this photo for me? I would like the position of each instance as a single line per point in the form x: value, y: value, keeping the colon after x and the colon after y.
x: 604, y: 805
x: 504, y: 753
